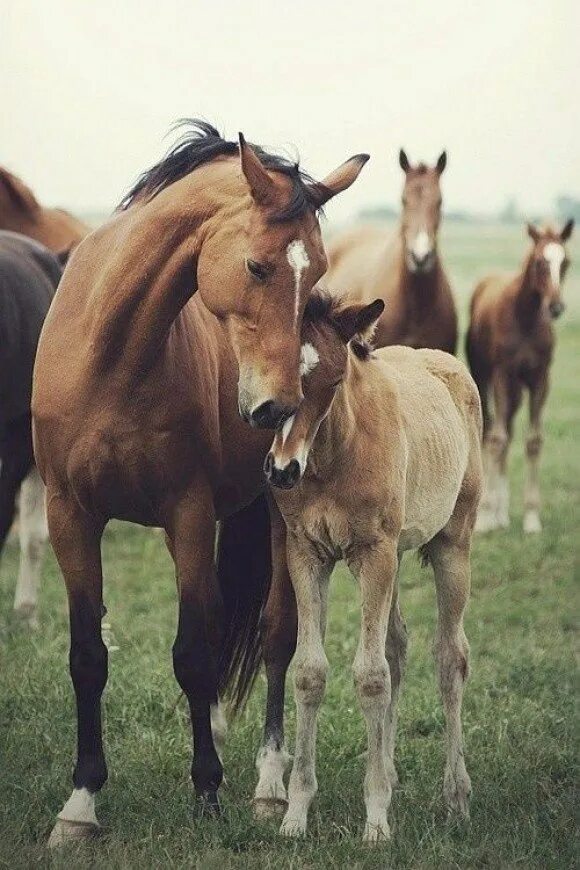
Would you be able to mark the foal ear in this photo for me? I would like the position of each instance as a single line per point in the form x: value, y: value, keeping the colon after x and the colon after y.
x: 260, y: 183
x: 358, y: 320
x: 567, y: 230
x: 404, y: 161
x: 441, y: 162
x: 533, y: 232
x: 338, y: 180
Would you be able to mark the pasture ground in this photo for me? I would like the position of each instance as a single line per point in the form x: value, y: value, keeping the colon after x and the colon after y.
x: 520, y: 716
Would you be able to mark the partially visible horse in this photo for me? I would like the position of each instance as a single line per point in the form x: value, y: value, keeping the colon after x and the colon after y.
x: 29, y: 275
x: 509, y: 345
x: 382, y: 456
x: 176, y: 324
x: 407, y: 272
x: 21, y: 212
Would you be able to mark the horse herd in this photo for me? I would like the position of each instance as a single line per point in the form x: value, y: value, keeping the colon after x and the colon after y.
x: 202, y: 358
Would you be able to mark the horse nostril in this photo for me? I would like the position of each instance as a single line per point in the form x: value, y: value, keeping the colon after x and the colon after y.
x: 292, y: 472
x: 270, y: 415
x: 556, y: 309
x: 269, y: 465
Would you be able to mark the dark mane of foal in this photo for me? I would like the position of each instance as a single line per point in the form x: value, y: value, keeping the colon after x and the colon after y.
x: 322, y: 306
x: 202, y: 143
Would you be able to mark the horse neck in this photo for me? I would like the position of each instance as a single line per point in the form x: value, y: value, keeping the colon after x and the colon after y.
x: 527, y: 300
x: 153, y: 275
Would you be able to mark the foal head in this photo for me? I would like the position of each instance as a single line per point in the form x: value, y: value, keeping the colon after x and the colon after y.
x: 421, y: 212
x: 548, y: 263
x: 331, y: 330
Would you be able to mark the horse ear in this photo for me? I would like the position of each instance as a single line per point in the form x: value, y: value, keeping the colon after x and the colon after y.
x: 533, y: 232
x: 338, y: 180
x: 260, y: 183
x: 360, y: 320
x: 404, y: 161
x: 567, y: 230
x: 18, y: 192
x: 441, y: 162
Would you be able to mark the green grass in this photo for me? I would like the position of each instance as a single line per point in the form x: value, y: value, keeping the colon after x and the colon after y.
x: 520, y: 716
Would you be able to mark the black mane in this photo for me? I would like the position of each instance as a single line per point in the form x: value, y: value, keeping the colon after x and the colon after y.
x: 321, y: 308
x: 202, y: 143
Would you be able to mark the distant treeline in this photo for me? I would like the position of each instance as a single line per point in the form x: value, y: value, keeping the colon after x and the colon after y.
x: 564, y: 207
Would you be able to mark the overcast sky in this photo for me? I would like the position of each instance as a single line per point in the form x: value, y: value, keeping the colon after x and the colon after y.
x: 89, y: 91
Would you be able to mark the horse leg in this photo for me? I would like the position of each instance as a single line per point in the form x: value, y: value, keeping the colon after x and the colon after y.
x: 279, y: 631
x: 396, y: 652
x: 538, y: 394
x: 309, y: 577
x: 76, y: 538
x: 494, y: 508
x: 196, y: 646
x: 33, y: 534
x: 17, y: 459
x: 449, y: 556
x: 377, y: 574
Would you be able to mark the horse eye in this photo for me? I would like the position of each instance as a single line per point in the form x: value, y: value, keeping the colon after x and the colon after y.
x: 257, y: 270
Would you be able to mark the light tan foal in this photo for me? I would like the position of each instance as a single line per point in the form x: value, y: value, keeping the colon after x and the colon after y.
x: 383, y: 456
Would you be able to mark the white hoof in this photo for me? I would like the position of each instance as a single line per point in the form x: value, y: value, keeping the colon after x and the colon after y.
x: 293, y: 826
x: 457, y: 792
x: 378, y: 833
x: 532, y: 524
x: 269, y: 808
x: 26, y: 612
x: 65, y: 832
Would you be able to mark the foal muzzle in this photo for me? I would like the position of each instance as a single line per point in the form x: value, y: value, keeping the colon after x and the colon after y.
x: 283, y: 478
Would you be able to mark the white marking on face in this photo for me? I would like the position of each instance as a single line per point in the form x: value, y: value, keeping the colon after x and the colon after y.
x: 308, y: 358
x: 554, y: 255
x: 421, y: 245
x: 298, y: 260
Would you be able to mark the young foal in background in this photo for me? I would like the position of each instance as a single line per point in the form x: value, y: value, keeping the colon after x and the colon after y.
x: 29, y: 275
x: 510, y: 343
x: 382, y: 456
x: 407, y: 273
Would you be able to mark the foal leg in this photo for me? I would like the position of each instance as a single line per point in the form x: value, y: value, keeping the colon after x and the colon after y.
x: 76, y: 539
x: 196, y: 646
x: 538, y: 394
x: 376, y: 572
x: 33, y: 533
x: 279, y: 628
x: 396, y: 651
x: 449, y: 555
x: 310, y: 576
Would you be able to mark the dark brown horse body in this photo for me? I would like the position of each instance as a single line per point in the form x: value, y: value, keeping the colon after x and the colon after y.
x: 510, y: 343
x: 407, y: 274
x: 140, y: 382
x: 20, y: 212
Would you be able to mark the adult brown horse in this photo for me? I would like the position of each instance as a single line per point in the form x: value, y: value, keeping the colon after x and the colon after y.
x: 407, y: 272
x: 509, y: 345
x: 140, y: 387
x: 20, y: 212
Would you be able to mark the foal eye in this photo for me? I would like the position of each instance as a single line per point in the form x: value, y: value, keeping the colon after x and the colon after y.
x: 257, y: 269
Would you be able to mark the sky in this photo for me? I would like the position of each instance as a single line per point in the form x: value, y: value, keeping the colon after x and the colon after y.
x: 90, y: 90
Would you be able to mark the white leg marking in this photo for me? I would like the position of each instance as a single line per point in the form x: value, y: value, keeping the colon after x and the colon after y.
x: 270, y: 794
x: 219, y: 727
x: 77, y: 819
x: 298, y: 260
x: 33, y: 533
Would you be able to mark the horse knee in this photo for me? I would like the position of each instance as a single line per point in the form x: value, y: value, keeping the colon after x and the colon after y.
x: 310, y: 681
x: 497, y: 442
x: 534, y: 444
x: 373, y: 683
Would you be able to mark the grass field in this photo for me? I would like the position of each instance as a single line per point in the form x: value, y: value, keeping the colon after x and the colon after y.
x: 520, y: 715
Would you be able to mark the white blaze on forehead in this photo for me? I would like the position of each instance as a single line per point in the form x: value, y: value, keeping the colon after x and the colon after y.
x: 298, y: 259
x: 286, y: 428
x: 554, y: 254
x: 421, y: 245
x: 308, y: 358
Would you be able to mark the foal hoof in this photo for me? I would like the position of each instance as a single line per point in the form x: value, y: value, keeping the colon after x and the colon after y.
x: 65, y: 832
x: 269, y: 808
x: 27, y: 615
x: 379, y: 833
x: 532, y: 524
x: 208, y: 804
x: 293, y: 827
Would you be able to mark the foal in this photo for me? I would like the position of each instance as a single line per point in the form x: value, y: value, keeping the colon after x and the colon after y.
x: 382, y: 456
x: 407, y: 273
x: 510, y: 343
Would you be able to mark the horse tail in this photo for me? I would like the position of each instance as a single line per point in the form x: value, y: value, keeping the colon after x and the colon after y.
x: 244, y: 571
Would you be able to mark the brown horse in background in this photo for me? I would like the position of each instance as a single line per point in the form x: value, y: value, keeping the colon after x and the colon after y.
x: 20, y: 212
x: 406, y: 273
x: 173, y: 321
x: 509, y: 345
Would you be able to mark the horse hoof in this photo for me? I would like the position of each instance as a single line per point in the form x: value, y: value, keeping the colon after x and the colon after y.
x: 269, y: 808
x: 532, y: 524
x: 293, y: 827
x: 65, y: 832
x: 379, y: 833
x: 209, y: 804
x: 27, y: 615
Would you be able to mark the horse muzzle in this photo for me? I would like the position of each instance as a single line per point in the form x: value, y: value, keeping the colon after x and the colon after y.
x: 282, y: 478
